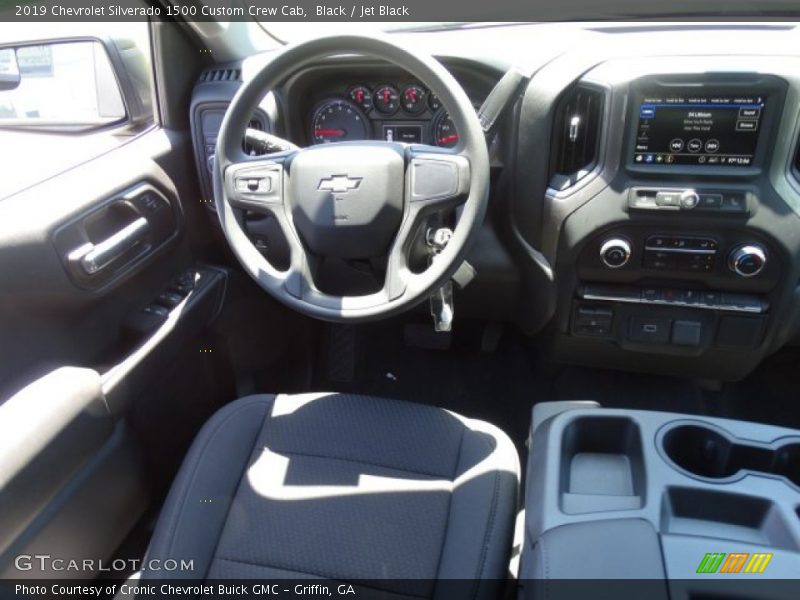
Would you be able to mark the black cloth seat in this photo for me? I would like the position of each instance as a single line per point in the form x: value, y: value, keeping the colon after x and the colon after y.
x: 344, y: 487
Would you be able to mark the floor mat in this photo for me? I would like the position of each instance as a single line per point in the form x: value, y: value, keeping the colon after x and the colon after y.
x: 499, y: 387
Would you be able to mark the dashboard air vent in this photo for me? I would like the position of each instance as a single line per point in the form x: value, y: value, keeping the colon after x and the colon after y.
x: 213, y: 75
x: 576, y: 135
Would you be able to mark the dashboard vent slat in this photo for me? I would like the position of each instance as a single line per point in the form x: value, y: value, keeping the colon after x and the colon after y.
x: 217, y: 75
x: 576, y: 135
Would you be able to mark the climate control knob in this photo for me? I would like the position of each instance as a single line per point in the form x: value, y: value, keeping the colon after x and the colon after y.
x: 615, y: 253
x: 748, y: 260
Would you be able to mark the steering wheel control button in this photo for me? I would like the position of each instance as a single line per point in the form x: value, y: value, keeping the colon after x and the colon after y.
x: 254, y: 185
x: 615, y: 253
x: 689, y: 199
x: 748, y: 260
x: 431, y: 179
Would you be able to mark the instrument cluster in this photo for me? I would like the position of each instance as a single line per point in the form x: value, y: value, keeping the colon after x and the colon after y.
x: 408, y: 113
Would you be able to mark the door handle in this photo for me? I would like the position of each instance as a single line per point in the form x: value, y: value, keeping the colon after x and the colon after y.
x: 93, y: 258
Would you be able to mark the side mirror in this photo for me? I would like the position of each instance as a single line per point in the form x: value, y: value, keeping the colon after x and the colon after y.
x: 9, y: 70
x: 74, y: 83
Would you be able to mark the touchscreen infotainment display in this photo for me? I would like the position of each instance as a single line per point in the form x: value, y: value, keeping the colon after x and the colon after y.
x: 698, y: 129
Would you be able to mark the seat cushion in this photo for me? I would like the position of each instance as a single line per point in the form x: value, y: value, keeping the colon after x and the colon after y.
x: 346, y: 487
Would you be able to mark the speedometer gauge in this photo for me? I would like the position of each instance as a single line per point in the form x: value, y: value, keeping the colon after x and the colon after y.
x: 337, y: 121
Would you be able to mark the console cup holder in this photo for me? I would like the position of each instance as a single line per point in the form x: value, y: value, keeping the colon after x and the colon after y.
x: 711, y: 453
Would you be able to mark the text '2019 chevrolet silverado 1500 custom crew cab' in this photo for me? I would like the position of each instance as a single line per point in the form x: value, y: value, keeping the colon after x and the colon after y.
x: 417, y: 310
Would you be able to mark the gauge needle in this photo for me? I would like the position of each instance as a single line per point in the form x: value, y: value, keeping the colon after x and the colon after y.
x: 448, y: 139
x: 329, y: 132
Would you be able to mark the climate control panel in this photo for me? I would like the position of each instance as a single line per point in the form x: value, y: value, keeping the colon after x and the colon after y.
x: 680, y: 253
x: 683, y: 254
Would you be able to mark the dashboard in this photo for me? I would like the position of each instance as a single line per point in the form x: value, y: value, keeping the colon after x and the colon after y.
x: 645, y: 207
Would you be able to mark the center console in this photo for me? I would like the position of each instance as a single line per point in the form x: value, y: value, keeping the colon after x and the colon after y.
x: 679, y: 253
x: 699, y: 507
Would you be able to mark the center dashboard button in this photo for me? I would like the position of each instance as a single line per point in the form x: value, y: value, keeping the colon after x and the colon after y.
x: 668, y: 199
x: 649, y: 330
x: 710, y: 201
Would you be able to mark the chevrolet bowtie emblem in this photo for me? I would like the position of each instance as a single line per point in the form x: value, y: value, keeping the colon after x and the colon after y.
x: 339, y: 184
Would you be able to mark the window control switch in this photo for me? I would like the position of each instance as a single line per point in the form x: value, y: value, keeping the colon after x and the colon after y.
x: 170, y: 299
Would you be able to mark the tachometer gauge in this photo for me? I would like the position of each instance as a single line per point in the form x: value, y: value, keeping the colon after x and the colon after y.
x: 361, y: 97
x: 413, y: 99
x: 338, y: 121
x: 386, y: 100
x: 444, y: 131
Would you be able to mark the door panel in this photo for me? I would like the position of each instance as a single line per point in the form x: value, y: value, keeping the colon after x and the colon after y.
x: 51, y: 319
x: 79, y: 343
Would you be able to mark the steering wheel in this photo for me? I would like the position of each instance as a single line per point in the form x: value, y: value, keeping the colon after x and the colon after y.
x: 351, y: 200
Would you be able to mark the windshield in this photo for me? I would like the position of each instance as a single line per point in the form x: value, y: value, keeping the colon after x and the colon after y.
x: 304, y: 30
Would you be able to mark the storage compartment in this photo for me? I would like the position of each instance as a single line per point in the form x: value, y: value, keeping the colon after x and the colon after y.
x: 706, y: 452
x: 787, y: 462
x: 724, y: 515
x: 601, y: 465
